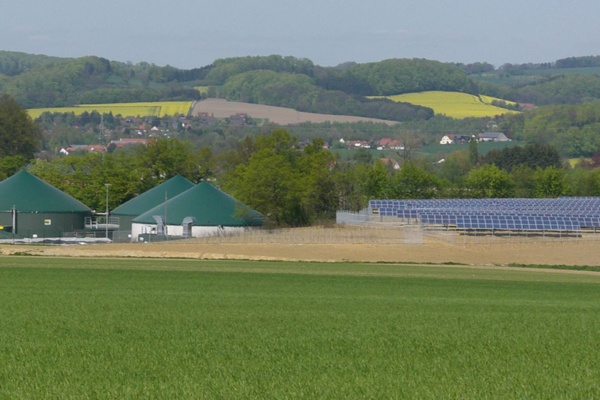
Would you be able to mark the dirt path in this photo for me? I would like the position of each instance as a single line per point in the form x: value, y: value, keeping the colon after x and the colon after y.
x: 583, y: 253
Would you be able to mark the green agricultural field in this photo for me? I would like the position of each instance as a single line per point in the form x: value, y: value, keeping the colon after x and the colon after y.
x: 453, y: 104
x: 202, y: 89
x: 483, y: 147
x: 158, y: 109
x: 183, y: 329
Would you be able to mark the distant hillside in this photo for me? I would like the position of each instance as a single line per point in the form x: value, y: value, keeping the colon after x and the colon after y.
x: 300, y: 92
x: 38, y: 81
x: 13, y: 63
x: 561, y: 89
x: 396, y: 76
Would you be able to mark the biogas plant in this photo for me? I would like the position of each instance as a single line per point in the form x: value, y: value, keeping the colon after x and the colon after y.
x: 33, y: 211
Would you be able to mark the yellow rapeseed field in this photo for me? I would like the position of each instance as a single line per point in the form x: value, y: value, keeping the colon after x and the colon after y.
x: 158, y: 109
x: 453, y: 104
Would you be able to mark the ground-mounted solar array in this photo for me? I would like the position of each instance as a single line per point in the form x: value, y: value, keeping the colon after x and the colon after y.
x: 564, y: 214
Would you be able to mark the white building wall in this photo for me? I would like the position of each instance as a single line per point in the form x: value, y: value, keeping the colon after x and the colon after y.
x: 197, y: 231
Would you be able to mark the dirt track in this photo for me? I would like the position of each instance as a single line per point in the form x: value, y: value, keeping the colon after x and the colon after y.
x: 560, y: 253
x: 279, y: 115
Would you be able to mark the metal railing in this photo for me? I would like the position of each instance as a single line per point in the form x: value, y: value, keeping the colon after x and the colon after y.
x: 98, y: 223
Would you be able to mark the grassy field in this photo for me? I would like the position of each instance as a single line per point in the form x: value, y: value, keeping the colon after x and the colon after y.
x: 202, y: 89
x: 159, y: 329
x: 483, y: 147
x: 453, y: 104
x: 158, y: 109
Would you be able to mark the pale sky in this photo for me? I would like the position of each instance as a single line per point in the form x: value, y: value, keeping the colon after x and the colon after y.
x: 188, y: 33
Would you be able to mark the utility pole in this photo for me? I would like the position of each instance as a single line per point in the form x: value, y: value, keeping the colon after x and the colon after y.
x: 107, y: 210
x: 166, y: 220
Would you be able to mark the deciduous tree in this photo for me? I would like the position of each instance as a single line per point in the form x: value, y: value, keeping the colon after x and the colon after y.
x: 19, y: 135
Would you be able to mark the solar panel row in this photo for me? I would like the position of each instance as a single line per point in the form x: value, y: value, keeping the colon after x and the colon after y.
x: 500, y: 222
x: 563, y: 213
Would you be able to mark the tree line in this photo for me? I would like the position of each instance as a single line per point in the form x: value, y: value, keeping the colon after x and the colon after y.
x: 295, y: 185
x: 301, y: 93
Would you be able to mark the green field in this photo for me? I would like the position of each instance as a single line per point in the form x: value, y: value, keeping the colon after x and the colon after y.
x: 453, y: 104
x: 157, y: 109
x: 483, y: 147
x: 202, y: 89
x: 177, y: 329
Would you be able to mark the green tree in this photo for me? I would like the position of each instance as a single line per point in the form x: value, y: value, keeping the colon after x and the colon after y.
x: 320, y: 196
x: 473, y: 151
x: 456, y: 166
x: 490, y: 181
x: 162, y: 159
x: 19, y: 135
x: 522, y: 177
x: 10, y: 165
x: 84, y: 177
x: 269, y: 184
x: 377, y: 184
x: 413, y: 182
x: 206, y: 163
x: 549, y: 182
x: 363, y: 156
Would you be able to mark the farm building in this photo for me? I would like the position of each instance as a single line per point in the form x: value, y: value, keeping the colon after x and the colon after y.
x: 30, y: 207
x: 450, y: 139
x: 203, y: 210
x: 135, y: 207
x: 493, y: 137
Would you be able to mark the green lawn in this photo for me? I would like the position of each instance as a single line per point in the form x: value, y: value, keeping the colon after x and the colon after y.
x: 178, y: 329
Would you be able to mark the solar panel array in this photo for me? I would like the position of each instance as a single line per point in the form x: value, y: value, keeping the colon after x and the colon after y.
x: 560, y: 214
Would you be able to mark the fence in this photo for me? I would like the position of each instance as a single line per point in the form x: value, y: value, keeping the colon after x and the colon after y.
x: 310, y: 235
x: 414, y: 232
x: 475, y: 237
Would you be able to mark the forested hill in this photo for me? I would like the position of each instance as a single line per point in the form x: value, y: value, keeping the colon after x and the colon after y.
x: 278, y: 81
x: 40, y: 81
x: 43, y: 81
x: 14, y: 63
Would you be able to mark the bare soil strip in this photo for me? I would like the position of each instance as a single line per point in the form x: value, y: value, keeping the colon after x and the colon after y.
x: 220, y: 108
x: 476, y: 256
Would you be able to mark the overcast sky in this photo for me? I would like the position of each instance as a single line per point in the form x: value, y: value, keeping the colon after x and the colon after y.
x: 193, y: 33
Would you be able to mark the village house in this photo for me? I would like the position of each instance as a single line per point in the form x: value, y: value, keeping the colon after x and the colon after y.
x: 395, y: 145
x: 358, y: 144
x: 452, y: 139
x: 90, y: 148
x: 383, y: 143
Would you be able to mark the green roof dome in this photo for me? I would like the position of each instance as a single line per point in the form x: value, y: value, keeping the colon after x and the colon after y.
x: 153, y: 197
x: 28, y: 193
x: 209, y: 205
